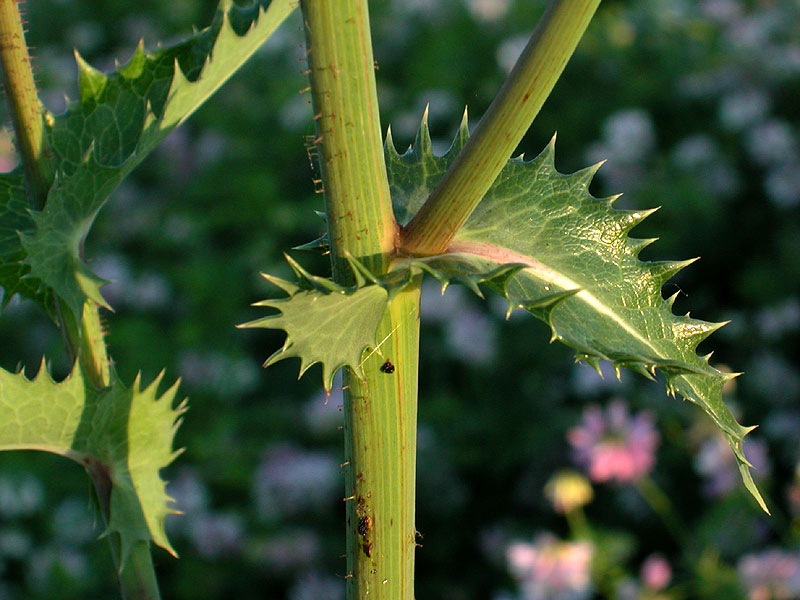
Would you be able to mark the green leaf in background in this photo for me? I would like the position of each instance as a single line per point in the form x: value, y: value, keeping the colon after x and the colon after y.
x: 324, y: 322
x: 117, y: 121
x: 122, y: 436
x: 568, y: 243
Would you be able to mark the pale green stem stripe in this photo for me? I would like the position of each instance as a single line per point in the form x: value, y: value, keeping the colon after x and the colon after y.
x: 359, y: 209
x: 26, y: 110
x: 501, y: 128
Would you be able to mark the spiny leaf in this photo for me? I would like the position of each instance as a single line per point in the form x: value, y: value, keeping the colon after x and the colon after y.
x: 123, y: 436
x: 116, y: 122
x: 324, y: 322
x: 14, y: 219
x: 566, y: 245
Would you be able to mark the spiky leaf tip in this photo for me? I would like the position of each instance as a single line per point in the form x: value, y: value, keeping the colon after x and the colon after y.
x: 324, y: 323
x: 574, y: 249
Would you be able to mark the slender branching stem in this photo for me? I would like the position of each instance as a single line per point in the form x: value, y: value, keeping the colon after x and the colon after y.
x: 83, y: 342
x: 380, y: 409
x: 23, y: 101
x: 500, y: 130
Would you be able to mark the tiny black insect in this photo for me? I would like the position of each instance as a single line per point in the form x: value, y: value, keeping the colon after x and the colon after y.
x: 387, y: 367
x: 364, y: 524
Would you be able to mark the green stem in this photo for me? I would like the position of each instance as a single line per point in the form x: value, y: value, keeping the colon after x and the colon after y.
x: 137, y: 580
x: 93, y: 352
x: 578, y: 525
x: 342, y: 73
x: 380, y: 453
x: 662, y: 506
x: 501, y: 128
x: 26, y: 110
x: 380, y: 410
x: 137, y: 577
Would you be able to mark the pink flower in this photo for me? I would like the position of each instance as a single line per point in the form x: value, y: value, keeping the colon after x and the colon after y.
x: 550, y: 569
x: 656, y: 572
x: 771, y: 575
x: 612, y: 446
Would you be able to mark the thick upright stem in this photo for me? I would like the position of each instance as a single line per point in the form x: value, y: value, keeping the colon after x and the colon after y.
x: 381, y: 409
x: 23, y: 102
x: 380, y: 450
x: 500, y: 130
x: 359, y: 209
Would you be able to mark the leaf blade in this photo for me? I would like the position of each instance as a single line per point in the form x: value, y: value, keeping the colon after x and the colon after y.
x: 123, y: 435
x: 116, y: 122
x: 324, y: 323
x: 566, y: 242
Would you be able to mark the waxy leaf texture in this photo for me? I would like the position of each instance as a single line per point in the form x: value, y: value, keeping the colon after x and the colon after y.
x: 115, y: 123
x: 562, y: 241
x: 542, y: 241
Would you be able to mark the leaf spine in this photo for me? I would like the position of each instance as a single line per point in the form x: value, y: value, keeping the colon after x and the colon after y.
x: 636, y: 245
x: 422, y: 142
x: 462, y: 135
x: 582, y: 178
x: 663, y: 271
x: 388, y: 144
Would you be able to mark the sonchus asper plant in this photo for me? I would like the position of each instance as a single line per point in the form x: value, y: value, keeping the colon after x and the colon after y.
x: 474, y: 217
x: 70, y: 164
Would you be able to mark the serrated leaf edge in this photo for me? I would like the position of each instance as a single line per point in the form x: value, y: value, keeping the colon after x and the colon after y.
x: 678, y: 374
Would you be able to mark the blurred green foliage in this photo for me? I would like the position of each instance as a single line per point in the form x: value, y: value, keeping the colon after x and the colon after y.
x: 694, y: 106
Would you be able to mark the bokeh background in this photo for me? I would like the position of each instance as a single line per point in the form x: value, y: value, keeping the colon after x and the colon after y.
x: 537, y: 478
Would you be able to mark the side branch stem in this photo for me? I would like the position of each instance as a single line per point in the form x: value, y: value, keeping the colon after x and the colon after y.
x: 500, y: 130
x: 26, y: 110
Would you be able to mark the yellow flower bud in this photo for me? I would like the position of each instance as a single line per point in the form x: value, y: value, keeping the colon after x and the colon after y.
x: 568, y: 490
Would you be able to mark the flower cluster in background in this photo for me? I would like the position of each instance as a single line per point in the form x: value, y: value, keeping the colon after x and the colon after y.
x: 612, y: 446
x: 551, y: 569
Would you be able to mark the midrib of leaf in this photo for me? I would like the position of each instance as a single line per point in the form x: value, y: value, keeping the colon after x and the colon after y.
x: 500, y: 256
x: 538, y: 269
x: 575, y: 268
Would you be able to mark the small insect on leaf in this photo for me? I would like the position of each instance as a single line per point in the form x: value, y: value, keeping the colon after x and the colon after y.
x: 387, y: 367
